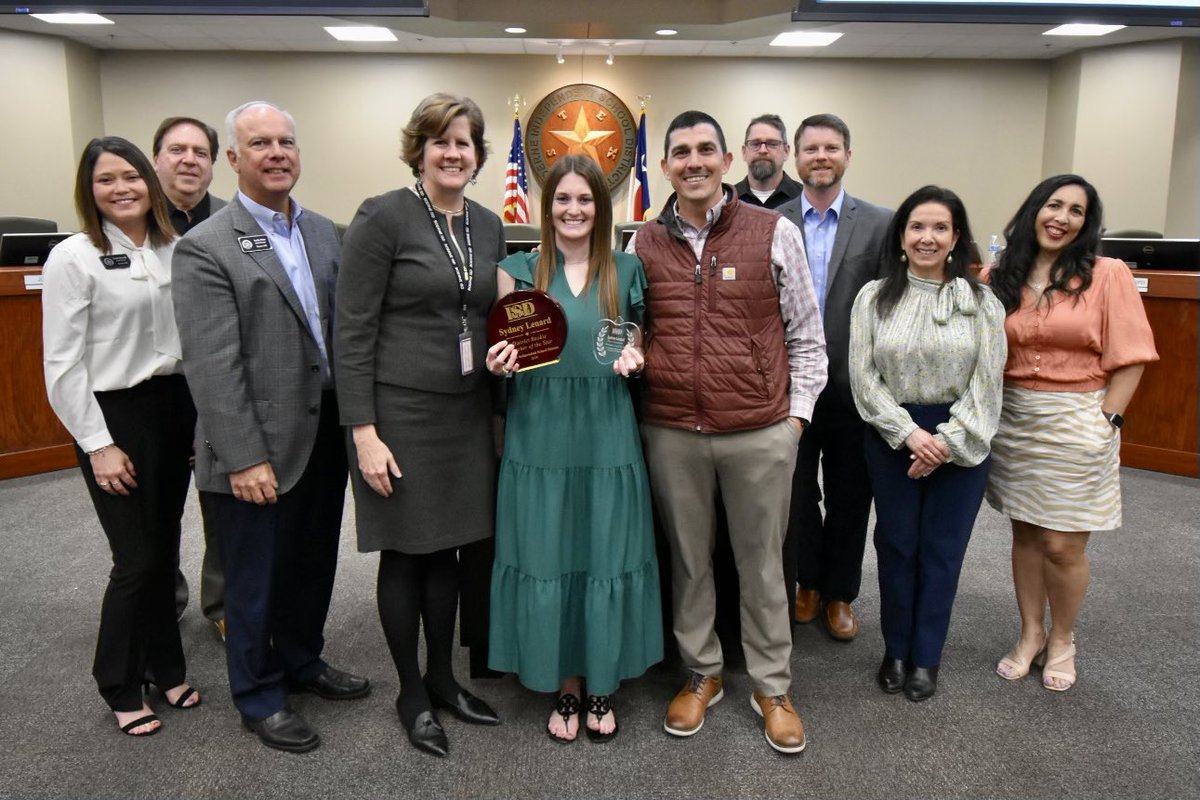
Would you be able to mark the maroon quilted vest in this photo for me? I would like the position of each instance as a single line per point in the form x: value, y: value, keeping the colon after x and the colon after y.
x: 715, y: 359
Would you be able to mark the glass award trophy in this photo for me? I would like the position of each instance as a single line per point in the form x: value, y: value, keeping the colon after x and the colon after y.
x: 610, y: 337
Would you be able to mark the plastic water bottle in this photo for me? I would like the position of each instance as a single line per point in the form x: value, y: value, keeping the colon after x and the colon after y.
x: 994, y: 250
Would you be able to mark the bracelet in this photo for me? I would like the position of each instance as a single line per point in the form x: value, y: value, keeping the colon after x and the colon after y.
x: 98, y: 450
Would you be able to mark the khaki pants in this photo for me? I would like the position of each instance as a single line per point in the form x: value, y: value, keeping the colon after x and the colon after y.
x: 753, y: 470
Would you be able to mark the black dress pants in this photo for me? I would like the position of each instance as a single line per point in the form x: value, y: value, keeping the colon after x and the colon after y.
x: 825, y: 551
x: 153, y: 424
x: 279, y: 561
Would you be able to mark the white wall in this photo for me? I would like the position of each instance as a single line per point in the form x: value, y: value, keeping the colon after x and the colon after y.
x: 1126, y: 130
x: 987, y: 129
x: 913, y: 122
x: 1183, y: 197
x: 39, y: 150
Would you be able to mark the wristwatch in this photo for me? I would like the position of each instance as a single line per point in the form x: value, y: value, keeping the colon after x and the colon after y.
x: 1114, y: 419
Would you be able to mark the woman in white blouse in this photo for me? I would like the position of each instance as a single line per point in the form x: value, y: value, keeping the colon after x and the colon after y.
x: 927, y: 352
x: 113, y: 376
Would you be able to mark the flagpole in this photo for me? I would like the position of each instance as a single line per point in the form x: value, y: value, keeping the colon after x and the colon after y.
x: 634, y: 180
x: 515, y: 207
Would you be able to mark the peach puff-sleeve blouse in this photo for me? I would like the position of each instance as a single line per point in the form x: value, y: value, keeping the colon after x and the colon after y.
x: 1072, y: 344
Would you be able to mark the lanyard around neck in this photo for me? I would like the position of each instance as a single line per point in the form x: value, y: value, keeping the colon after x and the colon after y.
x: 463, y: 273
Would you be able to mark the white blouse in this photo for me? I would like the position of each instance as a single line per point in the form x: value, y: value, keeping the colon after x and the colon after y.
x: 104, y: 327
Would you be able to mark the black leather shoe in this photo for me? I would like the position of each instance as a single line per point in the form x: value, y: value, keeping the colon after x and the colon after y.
x: 284, y: 730
x: 891, y: 675
x: 921, y: 683
x: 466, y: 707
x: 333, y: 684
x: 426, y: 733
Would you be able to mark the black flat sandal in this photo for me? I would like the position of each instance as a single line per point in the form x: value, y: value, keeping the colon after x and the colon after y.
x: 566, y: 706
x: 598, y: 706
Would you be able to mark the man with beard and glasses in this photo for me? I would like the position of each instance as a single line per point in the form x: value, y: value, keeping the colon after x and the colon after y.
x: 766, y: 151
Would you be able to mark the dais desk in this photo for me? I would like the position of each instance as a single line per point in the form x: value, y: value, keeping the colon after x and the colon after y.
x: 1162, y: 428
x: 32, y: 440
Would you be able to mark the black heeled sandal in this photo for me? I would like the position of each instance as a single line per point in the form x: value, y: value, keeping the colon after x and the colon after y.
x: 181, y: 701
x: 598, y: 706
x: 566, y: 706
x: 145, y: 719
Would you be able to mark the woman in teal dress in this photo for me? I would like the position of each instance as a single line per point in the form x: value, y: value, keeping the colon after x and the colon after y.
x: 575, y: 594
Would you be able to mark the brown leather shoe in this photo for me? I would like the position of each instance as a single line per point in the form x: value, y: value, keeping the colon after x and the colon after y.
x: 219, y: 625
x: 840, y: 620
x: 808, y: 603
x: 685, y: 715
x: 781, y: 724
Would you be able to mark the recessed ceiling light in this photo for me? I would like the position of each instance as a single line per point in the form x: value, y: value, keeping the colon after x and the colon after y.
x: 514, y: 29
x: 1082, y: 29
x: 805, y: 39
x: 361, y: 33
x: 666, y: 31
x: 73, y: 19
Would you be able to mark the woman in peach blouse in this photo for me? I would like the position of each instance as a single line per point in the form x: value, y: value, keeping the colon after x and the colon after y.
x: 1078, y: 340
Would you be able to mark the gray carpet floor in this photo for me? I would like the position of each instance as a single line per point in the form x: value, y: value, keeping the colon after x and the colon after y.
x: 1128, y: 730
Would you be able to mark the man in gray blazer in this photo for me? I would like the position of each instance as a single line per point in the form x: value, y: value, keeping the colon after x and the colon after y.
x: 253, y: 300
x: 183, y: 150
x: 842, y: 236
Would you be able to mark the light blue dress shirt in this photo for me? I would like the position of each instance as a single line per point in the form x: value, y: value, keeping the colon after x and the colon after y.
x: 288, y: 244
x: 819, y: 234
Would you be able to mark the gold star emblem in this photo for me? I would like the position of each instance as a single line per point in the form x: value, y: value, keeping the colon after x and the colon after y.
x: 582, y: 140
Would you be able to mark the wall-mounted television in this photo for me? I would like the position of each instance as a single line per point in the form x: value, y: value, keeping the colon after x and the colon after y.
x: 286, y: 8
x: 1166, y: 13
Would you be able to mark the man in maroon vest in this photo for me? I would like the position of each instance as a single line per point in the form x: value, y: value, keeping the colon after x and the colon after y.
x: 735, y: 359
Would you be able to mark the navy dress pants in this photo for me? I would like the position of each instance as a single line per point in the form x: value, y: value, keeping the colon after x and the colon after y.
x: 279, y: 561
x: 921, y: 534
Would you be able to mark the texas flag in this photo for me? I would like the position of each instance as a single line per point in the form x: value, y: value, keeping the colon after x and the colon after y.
x: 516, y: 206
x: 639, y: 186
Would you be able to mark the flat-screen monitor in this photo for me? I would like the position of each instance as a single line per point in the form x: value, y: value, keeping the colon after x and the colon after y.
x: 28, y: 249
x: 1166, y: 13
x: 291, y: 8
x: 521, y: 245
x: 1181, y: 255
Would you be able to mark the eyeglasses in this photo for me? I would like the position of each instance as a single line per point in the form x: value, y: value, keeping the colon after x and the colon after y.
x: 770, y: 144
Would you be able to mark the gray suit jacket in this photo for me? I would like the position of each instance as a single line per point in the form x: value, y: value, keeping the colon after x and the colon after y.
x: 251, y: 362
x: 853, y: 263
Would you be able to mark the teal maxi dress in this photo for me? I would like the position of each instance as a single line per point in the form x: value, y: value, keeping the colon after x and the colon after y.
x: 575, y: 581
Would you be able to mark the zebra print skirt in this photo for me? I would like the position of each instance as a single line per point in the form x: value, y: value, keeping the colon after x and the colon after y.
x: 1055, y: 461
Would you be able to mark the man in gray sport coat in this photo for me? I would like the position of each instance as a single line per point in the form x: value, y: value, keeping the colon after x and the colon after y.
x: 842, y: 236
x: 253, y: 297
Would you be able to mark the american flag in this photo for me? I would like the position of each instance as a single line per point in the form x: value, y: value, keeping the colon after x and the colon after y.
x: 639, y: 188
x: 516, y: 190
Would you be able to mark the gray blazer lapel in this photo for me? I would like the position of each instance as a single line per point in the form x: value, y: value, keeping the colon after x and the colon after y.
x: 322, y: 250
x: 246, y: 225
x: 841, y: 239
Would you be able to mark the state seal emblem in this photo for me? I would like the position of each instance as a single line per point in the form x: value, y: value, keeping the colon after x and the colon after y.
x: 582, y: 119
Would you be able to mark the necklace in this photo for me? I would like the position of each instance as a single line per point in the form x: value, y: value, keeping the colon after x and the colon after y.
x: 1037, y: 287
x: 445, y: 211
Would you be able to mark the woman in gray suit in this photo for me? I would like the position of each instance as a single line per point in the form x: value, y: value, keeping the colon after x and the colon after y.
x: 418, y: 278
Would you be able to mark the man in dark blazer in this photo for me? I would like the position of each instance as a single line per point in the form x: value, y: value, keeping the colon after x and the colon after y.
x: 253, y: 298
x: 842, y: 236
x: 183, y: 150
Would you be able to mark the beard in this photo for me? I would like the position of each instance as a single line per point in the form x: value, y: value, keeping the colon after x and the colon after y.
x: 761, y: 169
